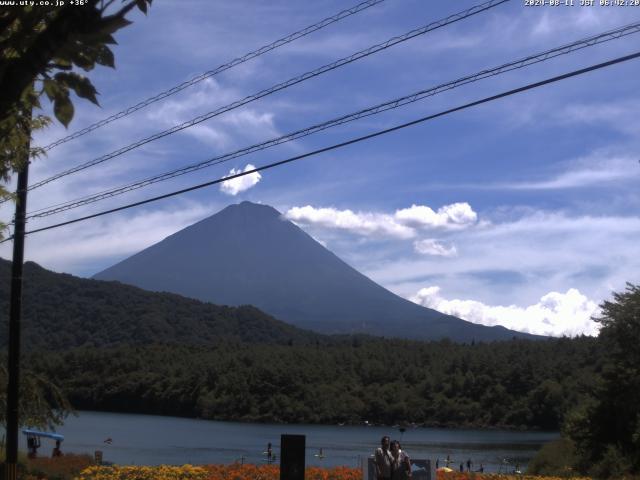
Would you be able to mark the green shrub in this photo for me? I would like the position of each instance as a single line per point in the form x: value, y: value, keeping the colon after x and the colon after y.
x: 612, y: 465
x: 556, y: 458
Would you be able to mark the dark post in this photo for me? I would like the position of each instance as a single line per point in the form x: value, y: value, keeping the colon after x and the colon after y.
x: 14, y: 324
x: 292, y: 450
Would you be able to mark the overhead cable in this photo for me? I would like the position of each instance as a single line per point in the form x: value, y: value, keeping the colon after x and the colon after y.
x: 203, y: 76
x: 280, y: 86
x: 530, y: 86
x: 398, y: 102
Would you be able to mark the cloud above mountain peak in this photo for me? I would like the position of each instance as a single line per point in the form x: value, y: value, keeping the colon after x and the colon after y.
x: 404, y: 223
x: 236, y: 185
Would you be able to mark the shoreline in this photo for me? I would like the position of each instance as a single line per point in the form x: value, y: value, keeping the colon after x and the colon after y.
x: 408, y: 426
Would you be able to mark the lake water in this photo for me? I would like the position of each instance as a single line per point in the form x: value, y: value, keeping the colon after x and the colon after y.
x: 154, y: 440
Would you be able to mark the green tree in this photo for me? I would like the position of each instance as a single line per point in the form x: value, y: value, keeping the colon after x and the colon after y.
x: 606, y: 430
x: 42, y: 404
x: 41, y: 51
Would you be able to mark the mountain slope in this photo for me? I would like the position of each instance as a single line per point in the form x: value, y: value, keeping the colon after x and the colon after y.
x: 248, y: 254
x: 61, y: 311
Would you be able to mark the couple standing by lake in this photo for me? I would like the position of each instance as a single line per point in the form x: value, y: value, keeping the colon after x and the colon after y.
x: 391, y: 463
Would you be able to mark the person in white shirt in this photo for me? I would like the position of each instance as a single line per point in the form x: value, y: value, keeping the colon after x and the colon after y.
x: 383, y: 459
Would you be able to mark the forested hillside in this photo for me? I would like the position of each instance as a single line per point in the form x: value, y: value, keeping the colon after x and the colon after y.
x: 119, y: 348
x: 61, y: 311
x: 519, y: 383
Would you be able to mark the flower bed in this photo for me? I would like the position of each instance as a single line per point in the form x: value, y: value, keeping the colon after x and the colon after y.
x: 212, y: 472
x: 76, y: 467
x: 163, y: 472
x: 496, y: 476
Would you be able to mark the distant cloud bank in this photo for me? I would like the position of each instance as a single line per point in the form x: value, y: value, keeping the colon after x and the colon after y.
x: 556, y: 314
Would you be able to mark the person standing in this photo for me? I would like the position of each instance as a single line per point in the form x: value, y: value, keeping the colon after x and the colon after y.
x: 56, y: 450
x: 401, y: 466
x: 383, y: 459
x: 269, y: 453
x: 33, y: 443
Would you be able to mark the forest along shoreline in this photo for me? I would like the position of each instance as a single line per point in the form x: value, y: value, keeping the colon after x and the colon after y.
x: 122, y: 349
x: 519, y: 384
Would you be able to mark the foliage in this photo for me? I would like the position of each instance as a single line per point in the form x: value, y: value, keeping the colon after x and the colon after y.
x: 41, y: 49
x: 554, y: 458
x: 606, y: 429
x: 61, y: 311
x: 333, y: 381
x: 42, y: 404
x: 119, y: 348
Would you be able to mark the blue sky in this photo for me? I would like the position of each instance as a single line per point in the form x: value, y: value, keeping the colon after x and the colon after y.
x: 522, y: 212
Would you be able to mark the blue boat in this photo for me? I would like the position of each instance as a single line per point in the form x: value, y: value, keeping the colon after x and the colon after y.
x: 36, y: 433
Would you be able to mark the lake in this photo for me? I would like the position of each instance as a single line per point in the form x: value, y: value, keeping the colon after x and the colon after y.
x: 154, y: 440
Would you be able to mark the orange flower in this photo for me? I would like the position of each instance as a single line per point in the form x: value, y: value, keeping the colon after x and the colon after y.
x: 272, y: 472
x: 494, y: 476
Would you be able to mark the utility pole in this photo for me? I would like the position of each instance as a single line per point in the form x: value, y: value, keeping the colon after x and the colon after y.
x: 11, y: 459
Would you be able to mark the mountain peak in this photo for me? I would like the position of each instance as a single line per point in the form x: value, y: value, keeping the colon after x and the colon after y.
x: 249, y: 254
x: 248, y: 208
x: 246, y: 204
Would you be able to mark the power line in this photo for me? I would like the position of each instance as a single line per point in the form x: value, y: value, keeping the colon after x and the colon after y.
x: 233, y: 63
x: 398, y: 102
x: 530, y: 86
x: 292, y: 81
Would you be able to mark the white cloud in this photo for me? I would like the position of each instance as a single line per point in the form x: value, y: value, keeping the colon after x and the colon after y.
x: 619, y: 115
x: 430, y: 246
x: 84, y: 248
x: 227, y: 129
x: 595, y: 171
x: 556, y: 314
x: 456, y: 215
x: 402, y: 224
x: 593, y: 254
x: 334, y: 44
x: 355, y: 222
x: 574, y: 21
x: 600, y: 168
x: 240, y: 184
x: 518, y: 260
